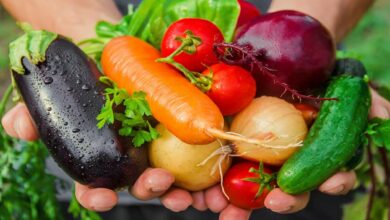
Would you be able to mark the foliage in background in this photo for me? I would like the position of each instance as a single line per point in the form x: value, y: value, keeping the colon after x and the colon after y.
x: 26, y: 190
x: 370, y: 40
x: 23, y: 197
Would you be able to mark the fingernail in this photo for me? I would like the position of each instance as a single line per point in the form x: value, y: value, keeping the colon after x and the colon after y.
x: 18, y: 126
x: 159, y: 183
x: 101, y: 207
x: 280, y: 208
x: 335, y: 190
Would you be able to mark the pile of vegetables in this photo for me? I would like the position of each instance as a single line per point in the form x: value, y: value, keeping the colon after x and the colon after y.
x: 189, y: 90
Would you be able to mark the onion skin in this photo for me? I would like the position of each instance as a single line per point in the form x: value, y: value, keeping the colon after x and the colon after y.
x: 183, y: 161
x: 268, y: 117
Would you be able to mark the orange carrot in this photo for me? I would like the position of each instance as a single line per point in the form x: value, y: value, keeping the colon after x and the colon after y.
x: 181, y: 107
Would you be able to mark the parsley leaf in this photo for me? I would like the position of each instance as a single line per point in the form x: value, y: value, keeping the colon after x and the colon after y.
x: 379, y: 131
x: 133, y: 118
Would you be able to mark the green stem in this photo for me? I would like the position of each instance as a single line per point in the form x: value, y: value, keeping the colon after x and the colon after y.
x: 264, y: 179
x: 386, y: 167
x: 373, y: 182
x: 93, y: 50
x: 204, y: 83
x: 5, y: 99
x: 93, y: 41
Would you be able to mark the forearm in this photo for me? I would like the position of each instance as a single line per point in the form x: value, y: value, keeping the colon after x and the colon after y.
x: 72, y: 18
x: 338, y: 16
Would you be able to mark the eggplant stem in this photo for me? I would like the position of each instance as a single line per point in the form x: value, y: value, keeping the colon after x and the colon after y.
x: 240, y: 138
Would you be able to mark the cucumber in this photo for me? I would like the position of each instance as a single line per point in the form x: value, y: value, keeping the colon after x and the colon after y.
x: 356, y: 159
x: 349, y: 66
x: 332, y: 141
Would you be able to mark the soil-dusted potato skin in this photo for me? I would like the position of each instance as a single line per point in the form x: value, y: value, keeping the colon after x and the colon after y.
x: 64, y: 96
x: 183, y: 161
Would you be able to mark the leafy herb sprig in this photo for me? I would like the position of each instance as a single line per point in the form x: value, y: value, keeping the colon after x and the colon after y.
x: 374, y: 175
x: 133, y: 118
x: 22, y: 175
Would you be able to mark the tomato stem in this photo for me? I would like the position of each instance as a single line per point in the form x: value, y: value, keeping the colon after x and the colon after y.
x: 189, y: 44
x: 264, y: 179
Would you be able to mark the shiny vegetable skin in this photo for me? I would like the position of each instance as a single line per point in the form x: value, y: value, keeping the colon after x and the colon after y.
x: 333, y: 139
x: 181, y: 107
x: 64, y: 96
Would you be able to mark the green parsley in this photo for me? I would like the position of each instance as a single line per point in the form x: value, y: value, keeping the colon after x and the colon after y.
x: 379, y: 132
x: 133, y: 118
x: 27, y: 192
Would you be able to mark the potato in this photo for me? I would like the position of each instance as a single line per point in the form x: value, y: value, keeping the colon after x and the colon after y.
x: 183, y: 161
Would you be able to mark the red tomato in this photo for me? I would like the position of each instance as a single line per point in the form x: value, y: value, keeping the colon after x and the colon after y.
x: 233, y: 88
x: 204, y: 55
x: 241, y: 191
x: 248, y: 12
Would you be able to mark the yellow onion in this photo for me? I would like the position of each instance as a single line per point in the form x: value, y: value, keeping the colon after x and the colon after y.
x: 277, y: 125
x: 195, y: 167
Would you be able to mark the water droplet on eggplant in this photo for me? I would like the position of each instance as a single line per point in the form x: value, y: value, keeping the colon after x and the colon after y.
x: 86, y: 87
x: 48, y: 80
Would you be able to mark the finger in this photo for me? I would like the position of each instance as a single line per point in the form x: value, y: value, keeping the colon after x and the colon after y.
x: 18, y: 123
x: 339, y: 184
x: 232, y: 212
x: 284, y: 203
x: 177, y: 200
x: 98, y: 199
x: 380, y: 107
x: 199, y: 201
x: 215, y: 199
x: 152, y: 183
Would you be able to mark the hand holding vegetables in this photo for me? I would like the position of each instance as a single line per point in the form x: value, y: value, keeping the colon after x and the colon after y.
x: 175, y: 192
x: 154, y: 182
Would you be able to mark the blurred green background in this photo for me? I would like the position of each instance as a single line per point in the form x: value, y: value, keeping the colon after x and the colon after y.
x: 370, y: 41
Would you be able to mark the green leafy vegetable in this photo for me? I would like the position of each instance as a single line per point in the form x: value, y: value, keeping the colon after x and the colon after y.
x: 358, y: 209
x: 379, y: 131
x: 224, y: 14
x: 133, y: 118
x: 151, y: 19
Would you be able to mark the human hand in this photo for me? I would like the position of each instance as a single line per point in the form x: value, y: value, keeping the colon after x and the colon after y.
x: 154, y: 183
x: 151, y: 184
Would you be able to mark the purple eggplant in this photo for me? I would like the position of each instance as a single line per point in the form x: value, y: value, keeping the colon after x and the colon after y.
x: 64, y: 96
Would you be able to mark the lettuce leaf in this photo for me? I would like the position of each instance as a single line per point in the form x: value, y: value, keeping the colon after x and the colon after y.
x: 151, y: 19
